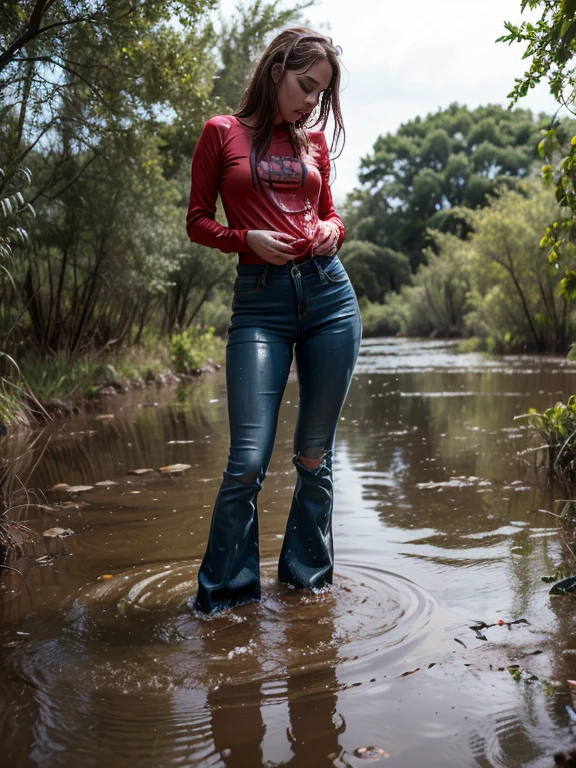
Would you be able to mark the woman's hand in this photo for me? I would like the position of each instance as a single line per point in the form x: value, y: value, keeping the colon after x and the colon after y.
x: 271, y: 246
x: 326, y: 242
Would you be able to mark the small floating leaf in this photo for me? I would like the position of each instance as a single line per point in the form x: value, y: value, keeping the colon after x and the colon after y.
x: 104, y: 576
x: 105, y: 416
x: 106, y: 482
x: 173, y: 469
x: 79, y: 488
x: 60, y: 487
x: 139, y: 471
x: 411, y: 672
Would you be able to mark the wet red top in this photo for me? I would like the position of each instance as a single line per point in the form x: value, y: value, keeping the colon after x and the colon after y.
x: 280, y: 193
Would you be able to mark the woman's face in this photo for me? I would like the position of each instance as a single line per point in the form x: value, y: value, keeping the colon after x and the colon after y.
x: 298, y: 91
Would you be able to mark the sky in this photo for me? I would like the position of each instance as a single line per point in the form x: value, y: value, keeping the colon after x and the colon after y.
x: 405, y: 58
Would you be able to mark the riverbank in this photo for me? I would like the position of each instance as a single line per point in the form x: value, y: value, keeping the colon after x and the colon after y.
x: 35, y: 391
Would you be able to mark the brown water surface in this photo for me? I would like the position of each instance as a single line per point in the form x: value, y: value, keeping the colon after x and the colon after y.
x: 439, y: 524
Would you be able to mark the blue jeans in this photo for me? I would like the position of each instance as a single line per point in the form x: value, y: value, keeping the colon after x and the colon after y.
x: 309, y: 310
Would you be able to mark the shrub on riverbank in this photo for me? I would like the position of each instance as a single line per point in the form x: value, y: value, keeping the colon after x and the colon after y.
x: 192, y: 348
x: 497, y: 286
x: 556, y: 427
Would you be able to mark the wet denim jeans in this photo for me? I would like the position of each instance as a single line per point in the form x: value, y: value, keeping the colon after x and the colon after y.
x: 309, y: 310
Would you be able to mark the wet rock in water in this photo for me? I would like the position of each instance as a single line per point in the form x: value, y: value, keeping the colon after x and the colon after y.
x: 564, y: 586
x: 59, y: 487
x: 106, y: 483
x: 53, y: 538
x: 210, y: 366
x: 174, y: 469
x: 58, y: 533
x: 371, y: 753
x: 79, y: 488
x: 140, y: 471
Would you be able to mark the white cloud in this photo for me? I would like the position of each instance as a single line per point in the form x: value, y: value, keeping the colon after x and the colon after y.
x: 405, y: 59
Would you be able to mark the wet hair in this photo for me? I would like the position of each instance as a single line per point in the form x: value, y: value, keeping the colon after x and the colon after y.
x: 294, y: 49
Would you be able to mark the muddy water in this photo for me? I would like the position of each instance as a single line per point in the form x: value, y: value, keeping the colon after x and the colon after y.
x: 440, y: 524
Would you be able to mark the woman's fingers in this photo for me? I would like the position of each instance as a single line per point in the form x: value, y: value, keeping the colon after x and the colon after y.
x: 275, y: 247
x: 284, y: 248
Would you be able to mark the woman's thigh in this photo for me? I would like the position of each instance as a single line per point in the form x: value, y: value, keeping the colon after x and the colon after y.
x: 325, y: 359
x: 257, y: 367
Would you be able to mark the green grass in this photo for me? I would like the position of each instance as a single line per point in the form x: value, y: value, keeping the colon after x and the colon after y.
x: 33, y: 381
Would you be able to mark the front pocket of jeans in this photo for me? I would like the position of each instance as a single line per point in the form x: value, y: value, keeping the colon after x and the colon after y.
x: 335, y: 273
x: 248, y: 283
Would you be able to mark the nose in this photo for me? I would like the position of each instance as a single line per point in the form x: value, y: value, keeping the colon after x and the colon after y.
x: 311, y: 100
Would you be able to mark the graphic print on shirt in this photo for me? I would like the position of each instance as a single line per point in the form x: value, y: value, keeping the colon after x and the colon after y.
x: 282, y: 180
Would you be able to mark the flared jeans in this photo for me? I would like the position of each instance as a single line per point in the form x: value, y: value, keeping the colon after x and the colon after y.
x: 308, y: 310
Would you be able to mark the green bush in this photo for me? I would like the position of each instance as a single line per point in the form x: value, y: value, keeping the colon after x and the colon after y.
x: 378, y: 319
x: 191, y: 349
x: 557, y: 427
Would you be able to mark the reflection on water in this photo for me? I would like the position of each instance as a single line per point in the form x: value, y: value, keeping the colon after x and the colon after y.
x: 440, y: 524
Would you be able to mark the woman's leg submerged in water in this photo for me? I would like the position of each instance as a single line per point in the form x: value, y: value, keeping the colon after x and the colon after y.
x: 257, y: 368
x: 325, y: 363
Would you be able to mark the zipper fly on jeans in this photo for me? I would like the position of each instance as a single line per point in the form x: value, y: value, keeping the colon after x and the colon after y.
x: 301, y: 297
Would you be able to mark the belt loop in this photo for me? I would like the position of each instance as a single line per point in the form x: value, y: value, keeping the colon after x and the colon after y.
x: 264, y: 275
x: 319, y: 270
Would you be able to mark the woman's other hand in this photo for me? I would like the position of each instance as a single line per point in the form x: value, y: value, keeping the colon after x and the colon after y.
x: 326, y: 242
x: 275, y: 247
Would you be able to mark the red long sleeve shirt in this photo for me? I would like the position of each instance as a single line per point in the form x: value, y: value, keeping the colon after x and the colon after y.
x: 280, y: 193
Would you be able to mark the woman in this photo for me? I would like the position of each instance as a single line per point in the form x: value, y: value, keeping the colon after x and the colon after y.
x: 291, y: 296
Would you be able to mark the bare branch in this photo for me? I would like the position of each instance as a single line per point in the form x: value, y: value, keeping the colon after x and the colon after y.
x: 56, y: 63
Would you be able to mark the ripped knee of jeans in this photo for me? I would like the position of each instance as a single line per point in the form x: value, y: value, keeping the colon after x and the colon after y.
x: 313, y: 458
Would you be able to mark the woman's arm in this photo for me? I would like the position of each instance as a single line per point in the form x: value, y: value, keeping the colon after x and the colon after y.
x: 331, y: 230
x: 201, y: 223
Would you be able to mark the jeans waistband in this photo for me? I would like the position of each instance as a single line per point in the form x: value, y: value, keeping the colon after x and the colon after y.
x: 300, y: 260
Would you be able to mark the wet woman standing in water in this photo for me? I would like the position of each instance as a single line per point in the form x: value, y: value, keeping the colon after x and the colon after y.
x: 292, y: 296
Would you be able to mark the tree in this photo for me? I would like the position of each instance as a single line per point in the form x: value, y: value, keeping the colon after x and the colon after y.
x: 241, y: 39
x: 550, y: 46
x: 95, y: 67
x: 106, y: 102
x: 454, y: 157
x: 375, y: 271
x: 514, y: 294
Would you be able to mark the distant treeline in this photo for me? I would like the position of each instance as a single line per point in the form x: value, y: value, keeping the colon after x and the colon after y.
x: 444, y: 232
